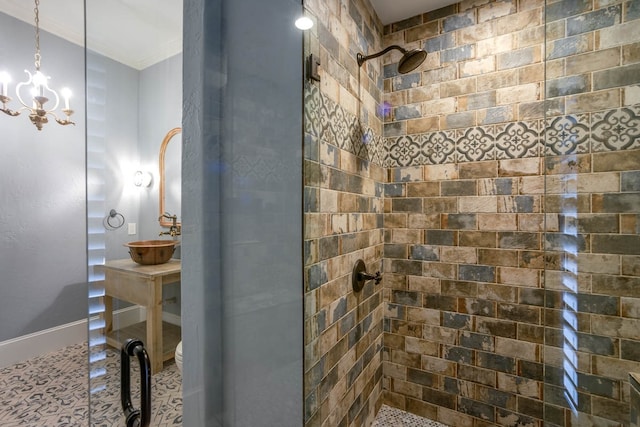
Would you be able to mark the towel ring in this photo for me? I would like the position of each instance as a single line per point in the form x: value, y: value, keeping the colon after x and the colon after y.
x: 114, y: 220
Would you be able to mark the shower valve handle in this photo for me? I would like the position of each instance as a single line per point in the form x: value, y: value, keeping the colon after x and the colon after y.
x: 359, y: 276
x: 366, y: 277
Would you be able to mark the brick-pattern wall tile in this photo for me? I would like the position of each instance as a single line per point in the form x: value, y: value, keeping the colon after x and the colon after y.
x: 487, y: 186
x: 344, y: 221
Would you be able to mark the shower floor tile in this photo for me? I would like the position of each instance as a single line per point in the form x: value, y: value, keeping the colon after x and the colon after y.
x: 392, y: 417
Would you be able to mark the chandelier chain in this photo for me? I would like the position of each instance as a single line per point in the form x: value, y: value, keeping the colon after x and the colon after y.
x: 37, y: 19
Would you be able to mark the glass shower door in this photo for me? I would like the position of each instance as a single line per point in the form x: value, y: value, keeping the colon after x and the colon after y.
x: 592, y: 200
x: 134, y: 100
x: 239, y: 301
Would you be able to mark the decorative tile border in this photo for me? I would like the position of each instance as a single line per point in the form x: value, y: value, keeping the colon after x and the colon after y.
x: 479, y: 144
x: 568, y: 135
x: 328, y: 121
x: 611, y: 130
x: 615, y: 130
x: 519, y: 139
x: 439, y: 147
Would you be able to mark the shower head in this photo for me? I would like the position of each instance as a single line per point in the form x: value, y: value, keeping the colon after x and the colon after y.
x: 411, y: 59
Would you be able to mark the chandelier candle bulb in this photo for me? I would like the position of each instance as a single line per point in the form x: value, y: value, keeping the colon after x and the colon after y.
x: 39, y: 82
x: 4, y: 79
x: 66, y: 94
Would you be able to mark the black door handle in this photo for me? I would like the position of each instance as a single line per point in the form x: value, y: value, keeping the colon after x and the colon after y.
x: 135, y: 417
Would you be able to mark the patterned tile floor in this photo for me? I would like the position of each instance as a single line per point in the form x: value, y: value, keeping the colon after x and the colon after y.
x: 51, y: 390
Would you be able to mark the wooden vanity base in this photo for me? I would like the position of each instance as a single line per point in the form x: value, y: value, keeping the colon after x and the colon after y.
x: 142, y: 285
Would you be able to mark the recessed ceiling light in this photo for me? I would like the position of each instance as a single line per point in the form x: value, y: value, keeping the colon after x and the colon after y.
x: 304, y: 23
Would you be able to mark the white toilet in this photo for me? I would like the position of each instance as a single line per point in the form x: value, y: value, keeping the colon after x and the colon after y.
x: 178, y: 357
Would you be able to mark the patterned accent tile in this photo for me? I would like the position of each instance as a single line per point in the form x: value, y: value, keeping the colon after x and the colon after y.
x: 615, y: 130
x: 311, y: 110
x: 339, y: 128
x: 326, y: 112
x: 518, y: 139
x: 407, y: 150
x: 475, y: 144
x: 51, y: 390
x: 354, y: 136
x: 377, y: 151
x: 373, y: 147
x: 388, y: 161
x: 440, y: 147
x: 336, y: 126
x: 567, y: 134
x: 610, y: 130
x: 392, y: 417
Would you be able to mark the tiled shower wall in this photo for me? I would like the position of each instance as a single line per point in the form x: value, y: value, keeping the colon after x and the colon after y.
x: 344, y: 185
x: 468, y: 302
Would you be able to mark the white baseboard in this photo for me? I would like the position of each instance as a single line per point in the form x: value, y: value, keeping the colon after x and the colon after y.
x: 173, y: 319
x: 127, y: 317
x: 27, y: 346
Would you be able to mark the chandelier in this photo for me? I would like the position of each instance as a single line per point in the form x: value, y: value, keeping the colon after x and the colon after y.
x: 40, y: 91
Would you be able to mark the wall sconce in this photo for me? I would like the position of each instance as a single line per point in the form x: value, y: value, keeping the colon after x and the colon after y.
x: 142, y: 179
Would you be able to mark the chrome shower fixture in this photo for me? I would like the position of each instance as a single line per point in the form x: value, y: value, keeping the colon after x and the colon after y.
x: 411, y: 59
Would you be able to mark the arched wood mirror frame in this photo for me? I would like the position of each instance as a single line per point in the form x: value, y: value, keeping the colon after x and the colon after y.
x: 164, y: 222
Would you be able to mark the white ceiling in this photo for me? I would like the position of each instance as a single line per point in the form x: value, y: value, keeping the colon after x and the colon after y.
x: 140, y: 33
x: 390, y: 11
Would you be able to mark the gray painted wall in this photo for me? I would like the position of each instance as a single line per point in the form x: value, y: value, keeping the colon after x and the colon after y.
x: 113, y: 136
x: 42, y: 194
x: 138, y: 107
x: 160, y: 110
x: 127, y: 119
x: 242, y: 208
x: 42, y: 175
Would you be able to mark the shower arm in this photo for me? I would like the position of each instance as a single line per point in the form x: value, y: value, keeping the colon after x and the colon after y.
x: 362, y: 59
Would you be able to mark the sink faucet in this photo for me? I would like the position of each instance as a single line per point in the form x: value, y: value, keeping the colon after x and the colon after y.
x: 174, y: 230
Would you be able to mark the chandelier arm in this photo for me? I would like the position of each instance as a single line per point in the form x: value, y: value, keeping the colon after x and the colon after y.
x: 64, y: 122
x: 46, y: 85
x: 20, y: 85
x: 10, y: 112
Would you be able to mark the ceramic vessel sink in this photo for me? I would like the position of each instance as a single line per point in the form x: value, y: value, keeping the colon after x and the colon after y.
x: 151, y: 252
